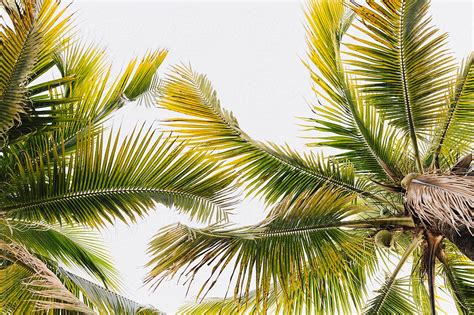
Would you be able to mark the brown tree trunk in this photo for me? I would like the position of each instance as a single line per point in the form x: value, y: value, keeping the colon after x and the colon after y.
x: 462, y: 238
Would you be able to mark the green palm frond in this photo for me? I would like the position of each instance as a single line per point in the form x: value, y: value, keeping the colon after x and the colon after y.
x: 215, y: 306
x: 458, y: 273
x: 73, y: 246
x: 105, y: 179
x: 455, y: 136
x: 95, y: 95
x: 19, y: 298
x: 102, y: 299
x: 354, y: 126
x: 30, y: 286
x: 394, y: 297
x: 300, y: 247
x: 266, y: 169
x: 27, y: 45
x: 404, y: 67
x: 420, y: 294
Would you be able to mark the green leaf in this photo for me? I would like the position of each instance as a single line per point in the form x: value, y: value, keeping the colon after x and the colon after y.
x: 71, y: 245
x: 455, y: 135
x: 265, y: 169
x: 404, y: 68
x: 105, y: 180
x: 394, y: 297
x: 458, y: 273
x: 33, y: 36
x: 300, y: 248
x: 102, y: 299
x: 353, y: 125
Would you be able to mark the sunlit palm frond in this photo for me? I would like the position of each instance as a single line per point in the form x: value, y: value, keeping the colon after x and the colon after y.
x: 455, y: 137
x: 404, y: 67
x: 215, y: 306
x: 28, y: 40
x: 29, y: 278
x: 102, y: 299
x: 266, y: 169
x: 458, y: 273
x: 105, y: 179
x: 95, y: 96
x: 394, y: 296
x: 300, y: 248
x: 353, y: 126
x: 72, y: 246
x: 419, y: 290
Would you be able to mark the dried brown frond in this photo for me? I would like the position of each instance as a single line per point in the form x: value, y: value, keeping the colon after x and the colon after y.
x: 439, y: 200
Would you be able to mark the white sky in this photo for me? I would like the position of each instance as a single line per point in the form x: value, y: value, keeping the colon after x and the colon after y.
x: 251, y: 51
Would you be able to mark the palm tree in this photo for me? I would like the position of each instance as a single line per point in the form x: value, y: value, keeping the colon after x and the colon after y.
x: 62, y: 172
x: 390, y: 99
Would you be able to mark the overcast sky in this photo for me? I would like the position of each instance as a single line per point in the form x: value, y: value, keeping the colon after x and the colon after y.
x: 251, y: 51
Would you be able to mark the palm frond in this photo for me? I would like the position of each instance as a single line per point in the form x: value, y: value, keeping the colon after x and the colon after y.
x: 105, y: 179
x: 266, y: 169
x: 394, y: 297
x: 456, y: 133
x: 26, y: 45
x: 300, y: 248
x: 458, y: 273
x: 102, y: 299
x: 442, y: 200
x: 215, y: 306
x: 94, y: 95
x: 73, y: 246
x: 404, y: 68
x: 45, y: 289
x: 353, y: 125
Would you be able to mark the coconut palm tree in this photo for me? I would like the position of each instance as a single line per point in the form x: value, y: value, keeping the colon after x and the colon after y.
x: 62, y: 172
x: 397, y: 199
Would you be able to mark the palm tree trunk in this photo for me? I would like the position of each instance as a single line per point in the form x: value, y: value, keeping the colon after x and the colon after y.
x: 462, y: 238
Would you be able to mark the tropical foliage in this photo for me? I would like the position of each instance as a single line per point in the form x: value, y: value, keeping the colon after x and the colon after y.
x: 391, y: 100
x: 62, y: 172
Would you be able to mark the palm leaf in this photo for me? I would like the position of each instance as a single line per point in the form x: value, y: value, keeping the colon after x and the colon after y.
x: 394, y: 297
x: 72, y: 246
x: 456, y: 133
x: 42, y: 286
x: 266, y: 169
x: 354, y: 126
x: 300, y: 247
x: 104, y: 180
x: 211, y: 306
x: 102, y: 299
x: 404, y: 68
x: 458, y: 273
x: 26, y: 46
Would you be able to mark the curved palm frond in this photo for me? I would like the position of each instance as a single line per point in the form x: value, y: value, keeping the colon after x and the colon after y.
x: 266, y: 169
x: 301, y: 247
x: 35, y: 282
x: 458, y: 273
x: 36, y: 32
x: 404, y: 67
x: 215, y: 306
x: 94, y: 97
x: 355, y: 126
x: 394, y: 297
x: 102, y: 299
x: 456, y: 133
x: 71, y: 245
x: 104, y: 180
x: 19, y: 298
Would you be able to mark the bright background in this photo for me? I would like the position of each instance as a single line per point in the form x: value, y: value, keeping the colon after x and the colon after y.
x: 251, y: 51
